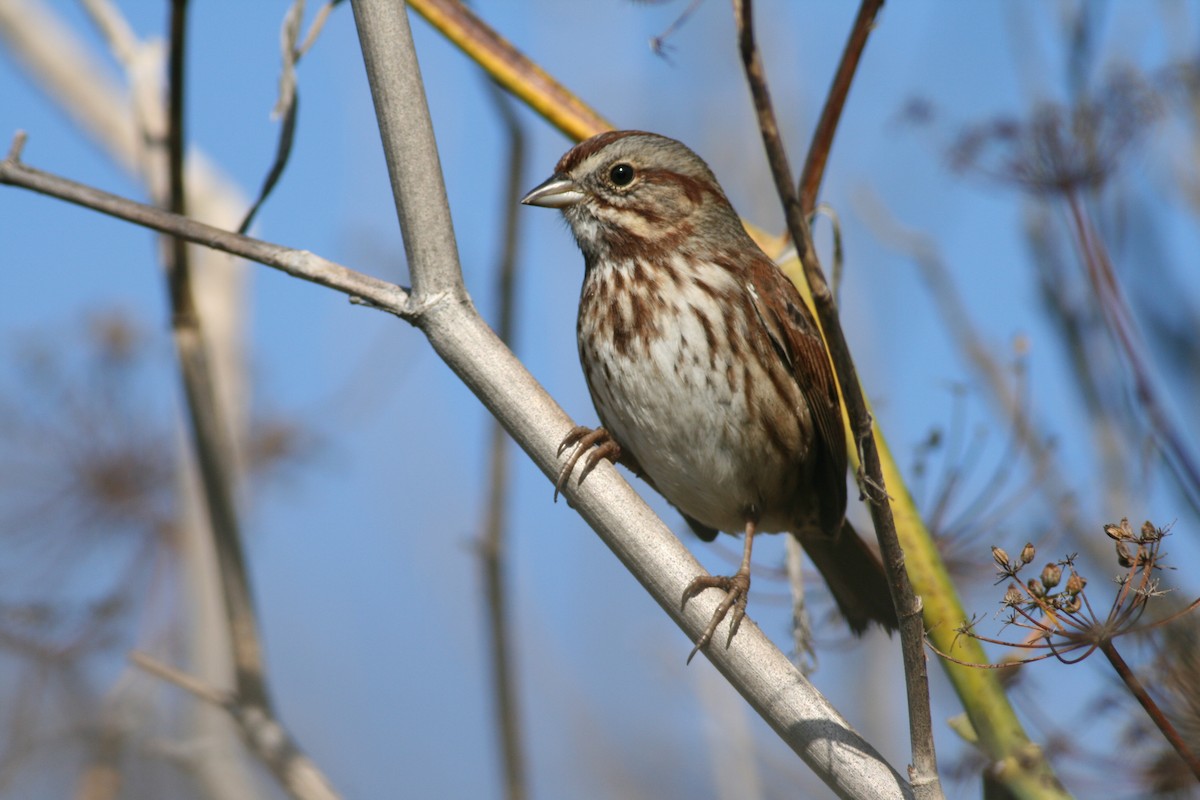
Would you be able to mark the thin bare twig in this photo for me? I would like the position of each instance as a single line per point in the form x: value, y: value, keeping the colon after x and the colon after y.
x: 923, y: 772
x: 267, y: 739
x: 493, y: 546
x: 835, y: 101
x: 297, y: 263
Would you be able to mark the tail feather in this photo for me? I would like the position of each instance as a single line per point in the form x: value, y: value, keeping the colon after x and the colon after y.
x: 855, y: 576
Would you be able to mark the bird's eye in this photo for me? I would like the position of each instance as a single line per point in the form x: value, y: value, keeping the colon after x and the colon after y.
x: 621, y: 175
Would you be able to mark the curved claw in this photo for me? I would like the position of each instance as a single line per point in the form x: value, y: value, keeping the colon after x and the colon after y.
x: 582, y: 438
x: 737, y: 592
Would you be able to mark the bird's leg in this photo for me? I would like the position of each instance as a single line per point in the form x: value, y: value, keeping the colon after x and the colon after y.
x: 581, y: 438
x: 736, y: 588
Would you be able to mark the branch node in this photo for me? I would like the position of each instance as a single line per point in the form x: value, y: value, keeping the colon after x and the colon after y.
x: 18, y: 144
x: 189, y: 683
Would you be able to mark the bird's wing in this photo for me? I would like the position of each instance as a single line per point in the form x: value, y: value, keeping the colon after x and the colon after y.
x: 796, y: 339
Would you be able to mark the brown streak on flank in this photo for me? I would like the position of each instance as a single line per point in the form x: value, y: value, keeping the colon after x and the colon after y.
x: 638, y: 276
x: 681, y: 361
x: 710, y: 336
x: 708, y: 289
x: 619, y: 326
x: 782, y: 380
x: 667, y: 269
x: 748, y: 390
x: 642, y: 322
x: 618, y: 281
x: 733, y: 336
x: 775, y: 435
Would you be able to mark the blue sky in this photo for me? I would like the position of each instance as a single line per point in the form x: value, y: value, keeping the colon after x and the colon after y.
x: 365, y: 576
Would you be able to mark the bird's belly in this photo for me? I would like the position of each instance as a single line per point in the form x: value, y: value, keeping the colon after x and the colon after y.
x: 689, y: 421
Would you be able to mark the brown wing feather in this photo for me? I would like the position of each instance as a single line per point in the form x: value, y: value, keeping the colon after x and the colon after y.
x: 797, y: 340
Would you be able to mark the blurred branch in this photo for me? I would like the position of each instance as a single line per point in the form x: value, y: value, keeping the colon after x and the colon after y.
x: 1119, y: 318
x: 835, y: 101
x: 494, y: 546
x: 263, y: 734
x: 511, y: 69
x: 125, y: 116
x: 250, y: 704
x: 209, y: 423
x: 965, y: 335
x: 923, y: 772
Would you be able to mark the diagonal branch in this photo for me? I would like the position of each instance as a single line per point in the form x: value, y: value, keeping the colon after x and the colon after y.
x: 511, y: 68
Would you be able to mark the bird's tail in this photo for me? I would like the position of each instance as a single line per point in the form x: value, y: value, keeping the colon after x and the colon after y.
x: 855, y: 576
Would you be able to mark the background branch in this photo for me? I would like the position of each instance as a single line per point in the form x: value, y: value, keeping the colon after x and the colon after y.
x: 494, y: 547
x: 263, y: 734
x: 250, y: 703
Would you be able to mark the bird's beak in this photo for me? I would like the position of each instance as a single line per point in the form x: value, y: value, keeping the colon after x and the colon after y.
x: 557, y: 192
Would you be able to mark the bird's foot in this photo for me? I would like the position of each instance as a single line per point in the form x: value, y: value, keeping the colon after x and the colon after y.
x: 581, y: 438
x: 737, y: 590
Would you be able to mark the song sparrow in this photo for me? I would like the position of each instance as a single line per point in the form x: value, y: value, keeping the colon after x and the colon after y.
x: 706, y: 367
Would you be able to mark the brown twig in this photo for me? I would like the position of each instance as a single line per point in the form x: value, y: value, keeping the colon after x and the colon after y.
x: 1156, y: 714
x: 923, y: 772
x: 493, y: 546
x: 835, y: 101
x: 178, y: 272
x: 209, y: 423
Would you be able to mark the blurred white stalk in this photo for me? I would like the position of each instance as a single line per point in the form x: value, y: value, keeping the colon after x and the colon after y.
x: 115, y: 115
